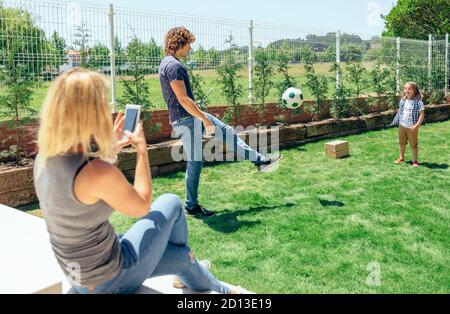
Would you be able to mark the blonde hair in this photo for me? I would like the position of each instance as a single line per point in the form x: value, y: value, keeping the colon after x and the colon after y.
x: 76, y: 113
x: 415, y: 87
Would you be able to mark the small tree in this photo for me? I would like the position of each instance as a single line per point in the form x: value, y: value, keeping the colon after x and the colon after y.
x: 330, y: 54
x: 340, y: 105
x: 384, y: 85
x: 264, y: 71
x: 98, y: 56
x: 228, y: 79
x: 20, y: 37
x: 213, y: 57
x: 283, y: 69
x: 81, y: 43
x: 412, y: 69
x: 351, y: 53
x: 316, y: 83
x: 119, y: 52
x: 199, y: 57
x: 356, y: 75
x: 154, y: 54
x: 391, y: 87
x: 197, y: 83
x: 58, y: 49
x: 285, y: 82
x: 16, y: 98
x: 308, y: 55
x: 136, y: 89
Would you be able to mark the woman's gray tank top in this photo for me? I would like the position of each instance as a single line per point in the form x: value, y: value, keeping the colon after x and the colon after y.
x: 84, y: 242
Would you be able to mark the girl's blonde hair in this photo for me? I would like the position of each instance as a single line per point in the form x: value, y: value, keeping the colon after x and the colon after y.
x: 76, y: 113
x: 415, y: 87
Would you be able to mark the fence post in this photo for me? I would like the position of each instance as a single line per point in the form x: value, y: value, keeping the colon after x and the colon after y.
x: 250, y: 64
x: 397, y: 73
x: 112, y: 57
x: 338, y: 57
x: 430, y: 45
x: 446, y: 66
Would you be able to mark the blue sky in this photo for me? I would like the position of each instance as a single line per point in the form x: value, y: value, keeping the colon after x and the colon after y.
x: 352, y: 16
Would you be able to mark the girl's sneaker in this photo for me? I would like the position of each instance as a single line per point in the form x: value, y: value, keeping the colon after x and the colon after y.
x: 399, y: 160
x: 415, y: 164
x: 178, y: 283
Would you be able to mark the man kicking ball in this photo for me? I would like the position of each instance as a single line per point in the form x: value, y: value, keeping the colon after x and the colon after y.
x: 189, y: 122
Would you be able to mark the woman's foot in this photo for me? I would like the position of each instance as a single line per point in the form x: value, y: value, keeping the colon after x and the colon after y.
x: 415, y: 164
x: 399, y: 160
x: 239, y: 290
x: 178, y: 283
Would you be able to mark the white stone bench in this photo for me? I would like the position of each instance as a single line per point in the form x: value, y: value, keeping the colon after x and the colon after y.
x: 28, y: 265
x: 156, y: 285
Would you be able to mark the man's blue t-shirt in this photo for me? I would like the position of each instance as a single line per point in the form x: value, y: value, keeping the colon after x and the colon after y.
x: 172, y: 69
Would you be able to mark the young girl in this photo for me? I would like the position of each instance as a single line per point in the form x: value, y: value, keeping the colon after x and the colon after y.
x: 409, y: 118
x: 78, y: 189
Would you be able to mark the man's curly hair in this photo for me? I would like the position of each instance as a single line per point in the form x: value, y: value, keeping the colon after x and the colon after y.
x: 176, y: 38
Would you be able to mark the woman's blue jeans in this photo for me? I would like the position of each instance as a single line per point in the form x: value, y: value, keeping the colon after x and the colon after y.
x: 157, y: 245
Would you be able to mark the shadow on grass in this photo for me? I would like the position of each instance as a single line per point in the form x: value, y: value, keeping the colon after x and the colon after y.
x: 434, y: 166
x: 300, y: 148
x: 227, y: 221
x: 326, y: 203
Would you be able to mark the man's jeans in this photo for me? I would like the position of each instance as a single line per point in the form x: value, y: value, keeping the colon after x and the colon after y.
x: 190, y: 130
x: 157, y: 245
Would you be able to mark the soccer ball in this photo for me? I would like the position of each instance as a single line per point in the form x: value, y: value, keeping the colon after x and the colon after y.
x: 292, y: 98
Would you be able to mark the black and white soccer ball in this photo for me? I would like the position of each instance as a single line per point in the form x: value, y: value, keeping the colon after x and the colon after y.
x: 292, y: 98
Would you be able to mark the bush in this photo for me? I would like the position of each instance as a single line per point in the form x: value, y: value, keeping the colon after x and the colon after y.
x: 317, y: 84
x: 437, y: 97
x: 340, y: 106
x: 286, y: 80
x: 136, y: 90
x: 264, y: 71
x: 356, y: 75
x: 384, y: 85
x: 351, y: 53
x: 197, y: 83
x: 228, y: 79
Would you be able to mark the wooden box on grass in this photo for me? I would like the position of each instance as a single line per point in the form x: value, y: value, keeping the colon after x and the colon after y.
x: 336, y: 149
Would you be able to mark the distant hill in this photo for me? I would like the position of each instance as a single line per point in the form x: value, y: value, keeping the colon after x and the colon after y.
x: 320, y: 43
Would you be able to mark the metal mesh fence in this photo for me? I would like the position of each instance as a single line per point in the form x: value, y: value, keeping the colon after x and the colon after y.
x: 41, y: 39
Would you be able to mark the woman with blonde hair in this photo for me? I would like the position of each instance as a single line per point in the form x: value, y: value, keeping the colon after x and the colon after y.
x: 79, y: 187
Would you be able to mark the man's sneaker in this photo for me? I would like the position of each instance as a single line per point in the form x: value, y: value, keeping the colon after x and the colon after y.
x: 268, y: 164
x: 415, y: 164
x: 399, y: 161
x: 200, y: 210
x: 178, y: 283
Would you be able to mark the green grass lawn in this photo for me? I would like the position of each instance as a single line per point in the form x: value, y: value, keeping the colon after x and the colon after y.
x: 315, y: 224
